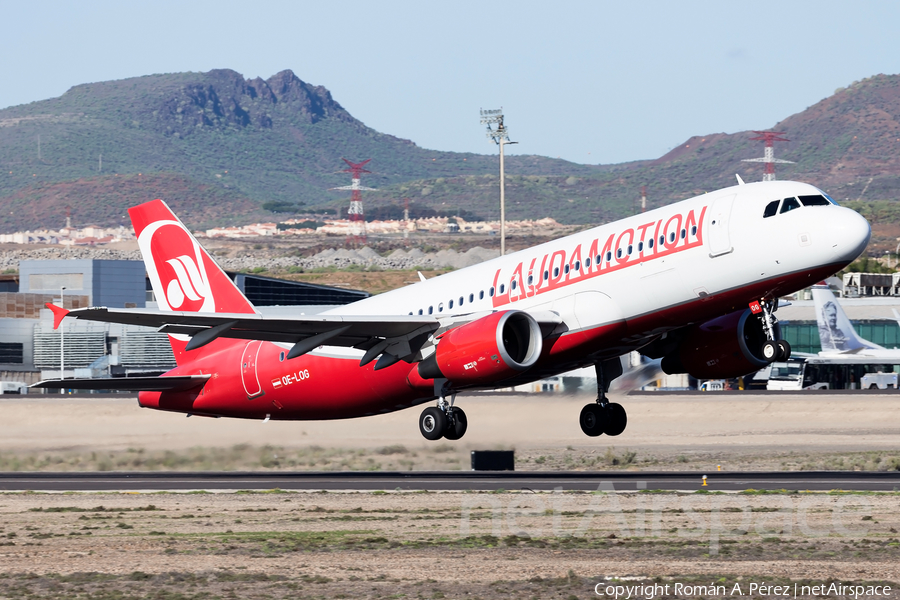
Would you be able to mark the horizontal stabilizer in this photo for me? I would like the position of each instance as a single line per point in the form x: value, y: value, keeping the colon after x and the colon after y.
x: 178, y: 383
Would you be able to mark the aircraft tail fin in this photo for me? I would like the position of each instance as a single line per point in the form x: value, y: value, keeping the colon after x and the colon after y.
x: 836, y: 333
x: 183, y: 275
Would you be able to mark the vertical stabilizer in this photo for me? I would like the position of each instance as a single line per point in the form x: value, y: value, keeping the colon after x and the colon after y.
x: 836, y: 334
x: 183, y: 275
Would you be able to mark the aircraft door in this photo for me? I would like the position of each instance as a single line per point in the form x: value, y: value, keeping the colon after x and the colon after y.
x: 719, y: 223
x: 249, y: 369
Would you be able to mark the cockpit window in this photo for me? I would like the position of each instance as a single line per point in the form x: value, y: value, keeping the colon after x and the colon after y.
x: 771, y: 209
x: 789, y: 204
x: 816, y: 200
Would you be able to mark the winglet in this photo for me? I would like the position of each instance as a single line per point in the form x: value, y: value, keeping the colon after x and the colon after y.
x: 740, y: 181
x: 59, y: 313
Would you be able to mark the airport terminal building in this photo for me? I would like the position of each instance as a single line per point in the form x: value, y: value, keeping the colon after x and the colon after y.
x: 30, y: 348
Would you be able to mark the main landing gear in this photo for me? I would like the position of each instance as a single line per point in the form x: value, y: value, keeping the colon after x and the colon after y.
x: 443, y: 421
x: 772, y: 350
x: 604, y: 416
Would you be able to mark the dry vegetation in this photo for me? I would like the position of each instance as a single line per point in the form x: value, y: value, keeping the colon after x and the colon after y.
x: 435, y: 457
x: 426, y: 545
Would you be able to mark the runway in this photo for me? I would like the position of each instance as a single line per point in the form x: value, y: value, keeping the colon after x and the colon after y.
x: 451, y: 481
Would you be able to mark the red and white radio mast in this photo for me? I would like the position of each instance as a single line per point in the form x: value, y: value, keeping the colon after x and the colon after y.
x: 769, y: 137
x: 357, y: 216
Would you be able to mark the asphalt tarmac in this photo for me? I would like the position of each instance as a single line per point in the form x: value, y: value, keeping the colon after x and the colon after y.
x: 451, y: 481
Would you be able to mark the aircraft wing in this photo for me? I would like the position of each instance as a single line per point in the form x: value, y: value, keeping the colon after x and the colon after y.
x: 400, y: 336
x: 127, y: 384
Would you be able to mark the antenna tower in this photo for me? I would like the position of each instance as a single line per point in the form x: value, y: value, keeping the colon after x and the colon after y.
x: 643, y: 198
x: 769, y: 137
x: 357, y: 235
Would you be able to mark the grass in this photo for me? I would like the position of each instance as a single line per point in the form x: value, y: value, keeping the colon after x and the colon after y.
x: 243, y: 457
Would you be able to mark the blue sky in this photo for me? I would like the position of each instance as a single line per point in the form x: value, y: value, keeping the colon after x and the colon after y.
x: 591, y: 82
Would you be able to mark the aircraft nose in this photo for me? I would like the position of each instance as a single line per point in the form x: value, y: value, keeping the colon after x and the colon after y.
x: 850, y: 235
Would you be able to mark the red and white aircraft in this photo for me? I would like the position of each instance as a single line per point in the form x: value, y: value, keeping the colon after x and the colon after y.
x: 674, y: 283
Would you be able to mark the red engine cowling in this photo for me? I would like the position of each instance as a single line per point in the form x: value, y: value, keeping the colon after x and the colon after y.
x: 729, y: 346
x: 490, y: 349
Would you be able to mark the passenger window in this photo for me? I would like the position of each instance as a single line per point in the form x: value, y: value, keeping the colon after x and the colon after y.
x: 683, y: 234
x: 555, y: 272
x: 650, y: 243
x: 587, y: 262
x: 816, y: 200
x: 629, y: 250
x: 471, y: 298
x: 481, y: 295
x: 662, y: 240
x: 789, y: 204
x: 608, y: 256
x: 514, y: 284
x: 502, y: 287
x: 461, y: 300
x: 530, y: 279
x: 420, y: 311
x: 771, y: 209
x: 546, y: 275
x: 577, y: 265
x: 599, y: 260
x: 672, y: 237
x: 640, y: 246
x: 491, y: 292
x: 566, y: 269
x: 281, y: 356
x: 450, y: 305
x: 410, y: 313
x: 441, y: 307
x: 430, y: 310
x: 619, y: 253
x: 694, y: 230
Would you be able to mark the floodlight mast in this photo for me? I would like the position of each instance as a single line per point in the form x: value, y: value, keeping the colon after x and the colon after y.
x: 499, y: 136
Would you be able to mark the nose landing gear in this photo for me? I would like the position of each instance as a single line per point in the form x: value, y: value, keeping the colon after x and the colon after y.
x: 604, y: 416
x: 772, y: 350
x: 443, y: 421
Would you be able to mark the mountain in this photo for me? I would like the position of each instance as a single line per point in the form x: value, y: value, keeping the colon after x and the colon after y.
x: 224, y: 149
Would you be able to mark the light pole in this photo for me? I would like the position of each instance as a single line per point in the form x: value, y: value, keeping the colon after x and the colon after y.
x: 62, y: 339
x: 499, y: 136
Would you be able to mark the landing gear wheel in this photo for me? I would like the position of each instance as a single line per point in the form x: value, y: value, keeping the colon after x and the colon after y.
x: 432, y: 423
x: 457, y: 428
x: 784, y: 350
x: 592, y: 419
x: 616, y: 419
x: 770, y: 351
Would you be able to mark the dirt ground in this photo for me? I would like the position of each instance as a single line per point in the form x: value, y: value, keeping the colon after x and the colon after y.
x: 435, y: 545
x: 665, y: 432
x: 449, y: 545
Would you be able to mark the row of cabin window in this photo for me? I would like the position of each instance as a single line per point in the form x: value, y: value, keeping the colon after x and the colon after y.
x: 577, y: 266
x: 789, y: 204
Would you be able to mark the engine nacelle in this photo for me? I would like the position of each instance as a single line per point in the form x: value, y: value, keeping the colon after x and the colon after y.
x: 728, y: 346
x: 489, y: 349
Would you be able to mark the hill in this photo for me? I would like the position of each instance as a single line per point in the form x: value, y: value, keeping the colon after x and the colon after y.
x: 223, y: 149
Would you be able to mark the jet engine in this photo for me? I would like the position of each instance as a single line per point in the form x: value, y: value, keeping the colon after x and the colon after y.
x: 489, y: 349
x: 728, y: 346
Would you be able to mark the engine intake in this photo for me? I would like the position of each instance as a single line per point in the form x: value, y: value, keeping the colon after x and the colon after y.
x: 725, y: 347
x: 489, y: 349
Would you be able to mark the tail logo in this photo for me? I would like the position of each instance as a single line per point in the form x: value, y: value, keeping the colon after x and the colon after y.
x: 187, y: 283
x: 176, y: 268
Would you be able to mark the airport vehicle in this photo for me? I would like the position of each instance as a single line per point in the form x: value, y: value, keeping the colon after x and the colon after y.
x: 694, y: 284
x: 879, y: 381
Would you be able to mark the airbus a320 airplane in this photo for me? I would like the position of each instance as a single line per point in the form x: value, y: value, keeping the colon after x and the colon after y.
x: 694, y: 283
